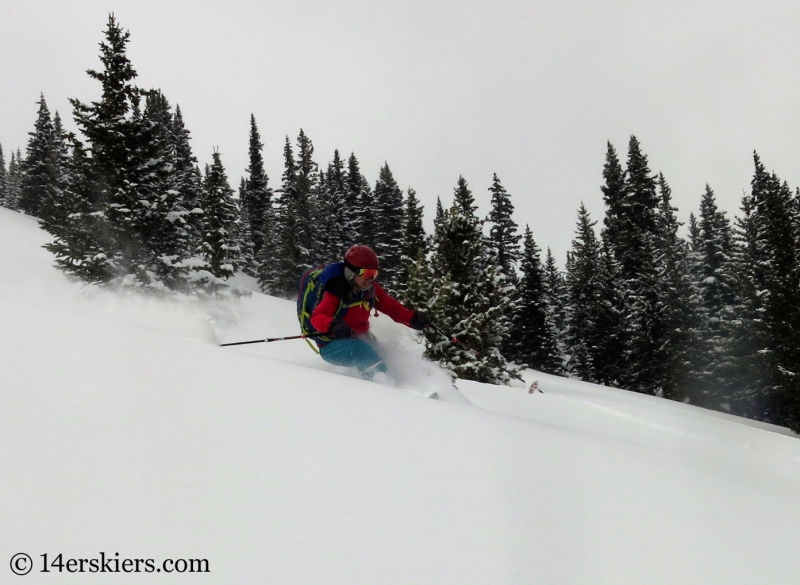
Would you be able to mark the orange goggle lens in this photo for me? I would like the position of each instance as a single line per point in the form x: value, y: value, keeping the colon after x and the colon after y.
x: 368, y: 273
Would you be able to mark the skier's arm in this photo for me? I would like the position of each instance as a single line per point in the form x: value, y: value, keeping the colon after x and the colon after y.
x: 322, y: 317
x: 392, y: 307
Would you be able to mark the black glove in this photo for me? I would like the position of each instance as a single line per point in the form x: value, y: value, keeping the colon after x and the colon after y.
x: 340, y: 330
x: 419, y: 321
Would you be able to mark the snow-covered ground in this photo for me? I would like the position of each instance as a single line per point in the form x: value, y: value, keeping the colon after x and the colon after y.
x: 125, y: 429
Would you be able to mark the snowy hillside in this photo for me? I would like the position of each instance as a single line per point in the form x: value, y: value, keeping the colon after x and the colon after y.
x: 125, y: 429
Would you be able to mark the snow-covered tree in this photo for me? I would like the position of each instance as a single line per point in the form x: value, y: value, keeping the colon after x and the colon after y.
x: 471, y: 291
x: 389, y: 218
x: 503, y: 230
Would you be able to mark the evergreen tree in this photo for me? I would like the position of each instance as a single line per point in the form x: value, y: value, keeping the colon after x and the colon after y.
x: 532, y: 327
x: 131, y: 162
x: 14, y: 181
x: 42, y: 172
x: 242, y: 234
x: 414, y: 242
x: 2, y: 177
x: 471, y: 295
x: 584, y: 290
x: 188, y: 182
x: 367, y: 214
x: 351, y: 225
x: 220, y: 249
x: 503, y: 230
x: 557, y: 309
x: 388, y: 227
x: 307, y: 179
x: 678, y: 298
x: 76, y: 226
x: 257, y: 196
x: 294, y: 245
x: 339, y: 200
x: 714, y: 379
x: 767, y: 271
x: 327, y: 243
x: 614, y: 194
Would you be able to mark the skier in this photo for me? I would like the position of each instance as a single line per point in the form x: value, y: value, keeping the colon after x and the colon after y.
x: 342, y: 295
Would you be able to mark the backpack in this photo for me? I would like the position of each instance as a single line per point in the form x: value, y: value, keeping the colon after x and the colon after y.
x: 309, y: 294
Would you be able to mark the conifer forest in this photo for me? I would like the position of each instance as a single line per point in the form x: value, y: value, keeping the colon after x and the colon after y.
x: 712, y: 319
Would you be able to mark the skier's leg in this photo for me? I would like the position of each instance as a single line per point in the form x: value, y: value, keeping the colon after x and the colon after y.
x: 354, y: 352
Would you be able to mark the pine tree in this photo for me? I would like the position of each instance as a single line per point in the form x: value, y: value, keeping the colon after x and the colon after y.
x: 3, y: 180
x: 471, y: 292
x: 532, y: 327
x: 614, y: 194
x: 162, y: 227
x: 220, y: 249
x: 714, y: 380
x: 584, y: 290
x: 351, y: 224
x: 557, y: 309
x: 294, y: 244
x: 389, y: 218
x: 188, y: 182
x: 41, y: 173
x: 414, y: 240
x: 767, y: 269
x: 76, y: 226
x: 503, y: 230
x: 338, y: 196
x: 257, y: 196
x: 367, y: 214
x: 130, y: 164
x: 242, y: 234
x: 14, y: 180
x: 679, y: 300
x: 307, y: 179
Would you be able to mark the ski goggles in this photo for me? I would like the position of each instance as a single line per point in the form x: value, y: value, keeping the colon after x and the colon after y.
x: 367, y: 273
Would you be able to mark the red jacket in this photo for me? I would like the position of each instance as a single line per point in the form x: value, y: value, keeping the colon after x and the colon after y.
x: 357, y: 317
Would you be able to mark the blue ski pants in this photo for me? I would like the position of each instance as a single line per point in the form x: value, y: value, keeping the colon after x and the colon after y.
x: 354, y: 352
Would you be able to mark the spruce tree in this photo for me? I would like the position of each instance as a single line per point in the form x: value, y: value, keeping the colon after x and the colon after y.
x: 532, y: 326
x: 557, y: 308
x: 351, y: 225
x: 389, y: 217
x: 188, y: 181
x: 219, y: 245
x: 294, y: 246
x: 583, y: 281
x: 130, y: 165
x: 257, y: 195
x: 78, y: 244
x: 242, y: 234
x: 414, y: 241
x: 767, y: 271
x: 337, y: 187
x: 679, y: 300
x: 42, y: 171
x: 14, y: 180
x: 3, y: 179
x: 471, y: 293
x: 503, y: 230
x: 714, y: 380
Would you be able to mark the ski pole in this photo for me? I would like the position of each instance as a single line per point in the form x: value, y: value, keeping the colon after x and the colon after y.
x: 270, y: 339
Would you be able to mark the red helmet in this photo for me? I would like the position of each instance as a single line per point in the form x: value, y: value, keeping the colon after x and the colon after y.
x: 361, y: 257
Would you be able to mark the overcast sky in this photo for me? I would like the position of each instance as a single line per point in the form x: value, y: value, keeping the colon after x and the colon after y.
x: 530, y: 90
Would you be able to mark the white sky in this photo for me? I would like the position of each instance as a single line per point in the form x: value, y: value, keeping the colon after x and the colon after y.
x: 530, y: 90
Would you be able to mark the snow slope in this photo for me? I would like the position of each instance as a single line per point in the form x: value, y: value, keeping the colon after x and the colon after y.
x: 125, y: 428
